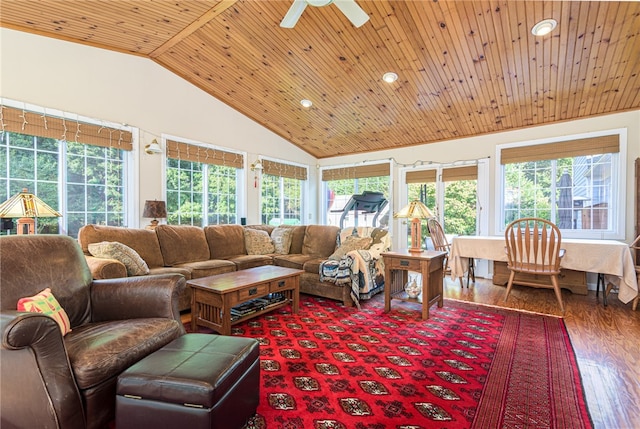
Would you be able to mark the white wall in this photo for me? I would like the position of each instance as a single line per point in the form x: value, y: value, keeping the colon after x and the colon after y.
x: 122, y: 88
x: 128, y: 89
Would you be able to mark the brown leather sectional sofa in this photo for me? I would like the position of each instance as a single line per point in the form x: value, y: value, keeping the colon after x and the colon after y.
x: 215, y: 249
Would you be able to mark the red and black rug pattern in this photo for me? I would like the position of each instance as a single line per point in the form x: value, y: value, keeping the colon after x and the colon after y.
x: 331, y: 367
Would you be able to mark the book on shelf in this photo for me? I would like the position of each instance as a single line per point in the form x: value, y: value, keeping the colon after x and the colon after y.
x: 256, y: 304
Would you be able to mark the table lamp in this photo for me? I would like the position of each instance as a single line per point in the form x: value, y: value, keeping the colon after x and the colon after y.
x: 26, y: 207
x: 416, y: 211
x: 155, y: 209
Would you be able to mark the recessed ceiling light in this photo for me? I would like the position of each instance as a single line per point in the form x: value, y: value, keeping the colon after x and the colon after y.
x: 306, y: 103
x: 544, y: 27
x: 390, y: 77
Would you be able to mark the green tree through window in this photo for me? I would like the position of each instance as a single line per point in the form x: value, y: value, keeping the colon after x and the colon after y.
x: 90, y: 179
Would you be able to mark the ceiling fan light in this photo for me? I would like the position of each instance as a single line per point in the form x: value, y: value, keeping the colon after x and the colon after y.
x: 390, y: 77
x: 319, y: 3
x: 306, y: 103
x: 544, y: 27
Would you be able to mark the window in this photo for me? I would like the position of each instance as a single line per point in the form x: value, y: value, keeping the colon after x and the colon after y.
x: 343, y: 182
x: 202, y: 184
x: 281, y: 193
x: 574, y: 183
x: 450, y: 193
x: 77, y: 168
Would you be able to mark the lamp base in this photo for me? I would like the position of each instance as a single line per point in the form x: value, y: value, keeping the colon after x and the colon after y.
x: 153, y: 225
x: 26, y: 225
x: 416, y: 236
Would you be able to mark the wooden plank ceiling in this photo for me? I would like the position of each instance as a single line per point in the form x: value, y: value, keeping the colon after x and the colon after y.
x: 465, y: 67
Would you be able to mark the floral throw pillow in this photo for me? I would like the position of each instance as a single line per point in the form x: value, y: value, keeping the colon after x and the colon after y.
x: 258, y: 242
x: 281, y: 238
x: 136, y: 266
x: 45, y: 303
x: 351, y: 243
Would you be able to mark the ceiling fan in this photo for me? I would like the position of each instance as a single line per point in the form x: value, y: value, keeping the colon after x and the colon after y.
x: 349, y: 8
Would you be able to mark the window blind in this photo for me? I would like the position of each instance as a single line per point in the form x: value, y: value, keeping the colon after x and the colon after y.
x: 204, y: 155
x: 372, y: 170
x: 422, y: 176
x: 469, y: 172
x: 565, y: 149
x: 49, y: 126
x: 283, y: 170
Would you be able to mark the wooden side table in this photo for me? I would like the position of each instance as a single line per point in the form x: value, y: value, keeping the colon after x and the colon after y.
x: 430, y: 264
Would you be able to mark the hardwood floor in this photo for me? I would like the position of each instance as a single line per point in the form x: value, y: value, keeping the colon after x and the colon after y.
x: 606, y: 341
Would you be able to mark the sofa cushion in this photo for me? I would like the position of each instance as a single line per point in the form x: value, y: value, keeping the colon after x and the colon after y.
x: 47, y: 304
x: 281, y: 238
x: 268, y: 228
x: 99, y: 351
x: 143, y: 241
x: 210, y: 267
x: 258, y: 242
x: 182, y: 243
x: 136, y: 266
x: 320, y: 240
x: 297, y: 238
x: 225, y: 241
x: 250, y: 261
x: 292, y: 261
x: 186, y: 272
x: 313, y: 265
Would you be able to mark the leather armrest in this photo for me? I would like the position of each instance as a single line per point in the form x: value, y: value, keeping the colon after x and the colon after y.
x: 36, y: 369
x: 137, y: 297
x: 102, y: 268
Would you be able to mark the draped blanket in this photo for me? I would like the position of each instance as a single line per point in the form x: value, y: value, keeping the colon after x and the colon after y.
x: 362, y: 268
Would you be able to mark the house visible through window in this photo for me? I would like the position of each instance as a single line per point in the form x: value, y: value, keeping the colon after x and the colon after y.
x: 573, y: 183
x: 77, y: 168
x: 202, y: 184
x: 282, y: 187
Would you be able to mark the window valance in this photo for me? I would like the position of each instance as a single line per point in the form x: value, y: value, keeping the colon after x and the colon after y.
x: 282, y: 169
x: 361, y: 171
x: 564, y: 149
x: 61, y: 128
x: 205, y: 155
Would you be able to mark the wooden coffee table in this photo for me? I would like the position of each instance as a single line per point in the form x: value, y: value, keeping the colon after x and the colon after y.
x: 213, y: 297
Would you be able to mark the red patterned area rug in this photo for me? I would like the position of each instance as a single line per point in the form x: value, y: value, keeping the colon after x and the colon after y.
x: 468, y: 366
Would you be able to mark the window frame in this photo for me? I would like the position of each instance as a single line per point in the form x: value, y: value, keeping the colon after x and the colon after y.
x: 130, y: 158
x: 240, y: 175
x: 304, y: 186
x: 618, y: 197
x: 349, y: 169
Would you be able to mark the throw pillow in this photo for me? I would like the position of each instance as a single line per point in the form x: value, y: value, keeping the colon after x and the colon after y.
x: 136, y: 266
x: 349, y: 244
x: 45, y: 303
x: 281, y: 238
x: 258, y: 242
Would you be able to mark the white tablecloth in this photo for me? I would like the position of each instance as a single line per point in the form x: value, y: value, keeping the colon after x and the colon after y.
x: 609, y: 257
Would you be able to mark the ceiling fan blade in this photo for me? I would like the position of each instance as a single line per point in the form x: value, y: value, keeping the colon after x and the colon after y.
x: 293, y: 14
x: 351, y: 10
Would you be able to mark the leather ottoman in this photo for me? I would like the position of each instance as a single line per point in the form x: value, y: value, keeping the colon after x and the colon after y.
x: 197, y: 381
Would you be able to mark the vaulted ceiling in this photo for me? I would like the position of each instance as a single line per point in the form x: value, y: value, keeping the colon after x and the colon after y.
x: 465, y: 67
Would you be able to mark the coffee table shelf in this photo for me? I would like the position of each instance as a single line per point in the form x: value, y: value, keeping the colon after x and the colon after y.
x: 213, y: 297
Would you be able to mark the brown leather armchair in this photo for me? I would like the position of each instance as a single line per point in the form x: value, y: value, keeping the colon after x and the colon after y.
x: 51, y: 381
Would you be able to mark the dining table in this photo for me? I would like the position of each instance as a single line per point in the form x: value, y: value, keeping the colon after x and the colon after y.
x: 609, y: 258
